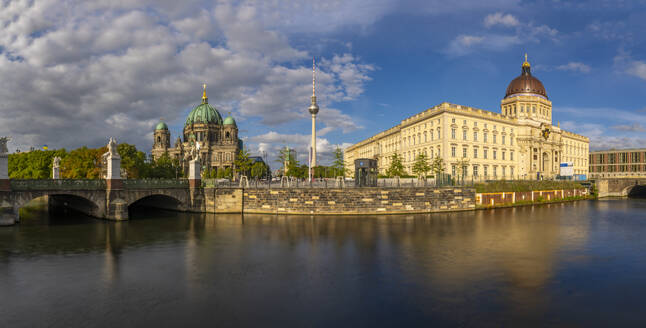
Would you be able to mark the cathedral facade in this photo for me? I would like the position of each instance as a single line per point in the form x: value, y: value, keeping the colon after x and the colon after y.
x: 206, y: 136
x: 520, y: 142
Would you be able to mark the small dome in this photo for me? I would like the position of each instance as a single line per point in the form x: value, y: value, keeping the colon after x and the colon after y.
x: 161, y: 126
x: 204, y: 114
x: 229, y: 121
x: 526, y: 84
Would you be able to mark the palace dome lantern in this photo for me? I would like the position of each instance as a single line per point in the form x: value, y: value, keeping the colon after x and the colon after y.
x: 526, y: 84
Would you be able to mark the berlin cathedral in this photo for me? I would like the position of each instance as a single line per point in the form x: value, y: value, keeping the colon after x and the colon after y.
x: 214, y: 140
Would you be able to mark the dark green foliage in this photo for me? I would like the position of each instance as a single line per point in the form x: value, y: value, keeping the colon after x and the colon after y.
x: 34, y: 164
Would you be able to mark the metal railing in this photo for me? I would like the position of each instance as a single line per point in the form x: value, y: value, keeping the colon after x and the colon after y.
x: 329, y: 183
x: 155, y: 183
x: 58, y: 184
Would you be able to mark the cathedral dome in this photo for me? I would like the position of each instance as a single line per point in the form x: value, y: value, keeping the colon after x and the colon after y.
x: 229, y: 121
x: 526, y: 84
x: 161, y: 126
x: 204, y: 113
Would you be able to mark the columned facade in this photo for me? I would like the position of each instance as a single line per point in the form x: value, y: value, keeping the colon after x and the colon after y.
x: 520, y: 142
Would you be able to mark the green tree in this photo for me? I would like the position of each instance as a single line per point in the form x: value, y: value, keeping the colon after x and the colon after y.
x: 338, y: 164
x: 258, y: 170
x: 220, y: 174
x: 35, y: 164
x: 438, y: 167
x: 228, y: 173
x: 396, y: 167
x: 133, y: 161
x: 461, y: 167
x: 163, y: 167
x: 421, y: 166
x: 243, y: 162
x: 286, y: 155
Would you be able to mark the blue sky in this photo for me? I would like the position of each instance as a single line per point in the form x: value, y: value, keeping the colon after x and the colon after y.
x: 77, y: 72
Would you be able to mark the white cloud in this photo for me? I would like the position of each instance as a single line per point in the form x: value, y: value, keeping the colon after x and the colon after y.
x: 638, y: 68
x: 500, y: 19
x: 81, y: 71
x: 634, y: 127
x: 271, y: 143
x: 600, y: 137
x: 574, y: 67
x: 522, y: 33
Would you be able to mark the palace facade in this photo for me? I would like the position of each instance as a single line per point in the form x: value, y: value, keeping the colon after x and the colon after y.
x: 520, y: 142
x: 215, y: 139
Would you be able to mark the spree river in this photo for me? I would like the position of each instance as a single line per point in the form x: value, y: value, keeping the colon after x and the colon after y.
x: 574, y: 264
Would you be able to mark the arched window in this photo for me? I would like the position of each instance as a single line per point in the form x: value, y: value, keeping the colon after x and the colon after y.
x: 227, y: 136
x: 158, y: 139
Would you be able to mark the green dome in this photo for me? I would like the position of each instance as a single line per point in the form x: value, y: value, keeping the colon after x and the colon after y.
x: 161, y: 126
x: 204, y: 114
x: 229, y: 120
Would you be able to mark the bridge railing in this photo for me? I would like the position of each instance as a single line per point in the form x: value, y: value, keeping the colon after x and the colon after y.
x: 51, y: 184
x: 155, y: 183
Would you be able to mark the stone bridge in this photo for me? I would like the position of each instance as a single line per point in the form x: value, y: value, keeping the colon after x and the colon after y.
x: 108, y: 199
x: 621, y: 187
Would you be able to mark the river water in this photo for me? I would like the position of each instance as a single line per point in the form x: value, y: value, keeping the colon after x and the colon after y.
x: 575, y: 264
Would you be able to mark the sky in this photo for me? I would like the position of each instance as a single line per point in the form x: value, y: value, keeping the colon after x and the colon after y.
x: 74, y: 73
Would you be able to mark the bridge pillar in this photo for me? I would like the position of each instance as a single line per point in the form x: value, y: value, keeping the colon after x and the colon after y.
x: 194, y: 174
x: 116, y: 208
x: 196, y: 196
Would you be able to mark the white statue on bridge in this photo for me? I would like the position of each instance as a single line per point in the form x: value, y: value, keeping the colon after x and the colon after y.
x: 112, y: 148
x: 56, y: 168
x: 3, y: 145
x: 112, y: 161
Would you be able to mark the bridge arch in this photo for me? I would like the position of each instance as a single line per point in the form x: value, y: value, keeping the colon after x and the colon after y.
x: 635, y: 191
x: 80, y: 202
x: 160, y: 200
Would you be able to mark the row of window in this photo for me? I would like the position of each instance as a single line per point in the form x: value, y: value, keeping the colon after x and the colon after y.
x: 613, y: 158
x: 475, y: 170
x: 485, y: 137
x: 485, y: 153
x: 511, y: 109
x: 618, y: 168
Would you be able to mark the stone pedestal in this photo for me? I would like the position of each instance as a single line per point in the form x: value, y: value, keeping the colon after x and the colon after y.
x: 55, y: 173
x: 194, y: 174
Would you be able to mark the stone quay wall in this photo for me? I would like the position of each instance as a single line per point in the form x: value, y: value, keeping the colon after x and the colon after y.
x: 339, y: 201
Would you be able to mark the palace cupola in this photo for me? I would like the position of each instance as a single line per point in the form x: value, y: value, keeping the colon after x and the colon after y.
x: 526, y: 98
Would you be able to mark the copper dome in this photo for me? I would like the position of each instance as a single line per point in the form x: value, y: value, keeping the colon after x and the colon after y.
x: 526, y: 84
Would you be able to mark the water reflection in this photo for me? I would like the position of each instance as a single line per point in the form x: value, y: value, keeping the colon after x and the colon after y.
x: 500, y: 267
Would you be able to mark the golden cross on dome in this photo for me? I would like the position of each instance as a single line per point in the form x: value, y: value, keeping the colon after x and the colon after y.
x: 203, y: 92
x: 525, y: 56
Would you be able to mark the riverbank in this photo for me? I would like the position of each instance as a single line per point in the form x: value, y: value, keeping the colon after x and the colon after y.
x: 520, y: 198
x: 537, y: 202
